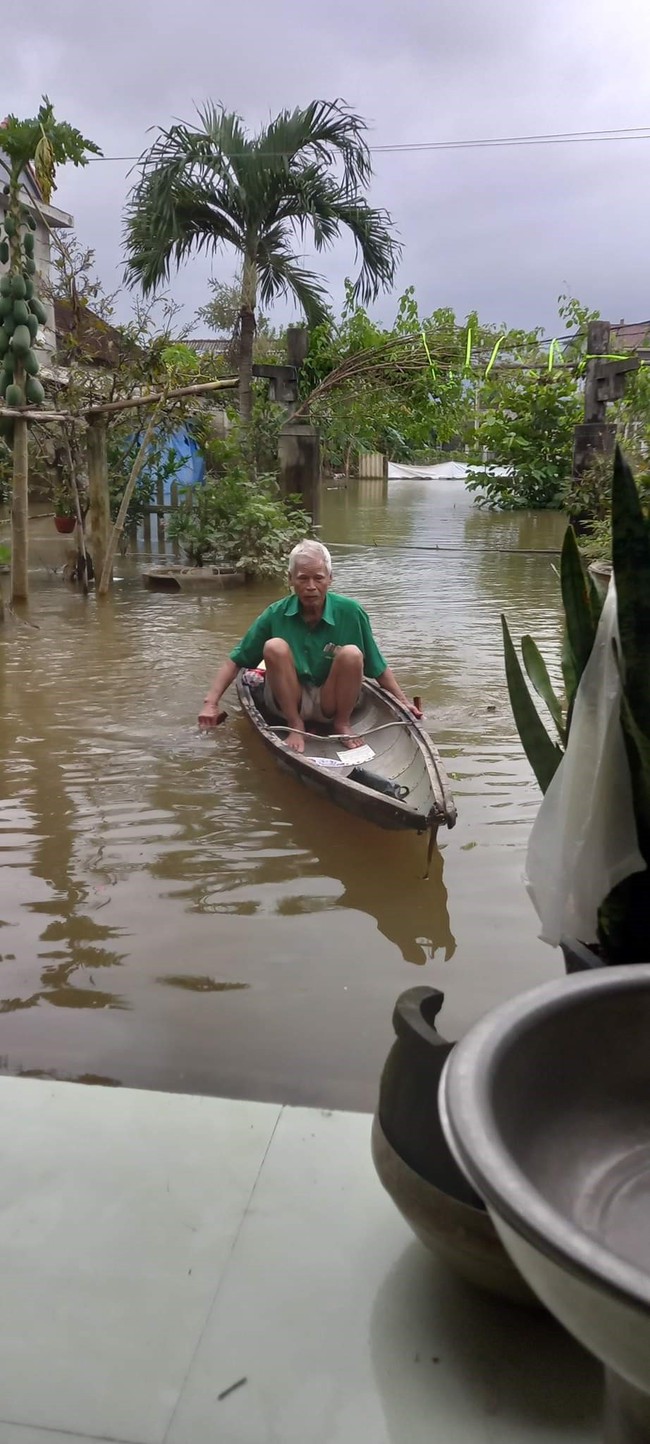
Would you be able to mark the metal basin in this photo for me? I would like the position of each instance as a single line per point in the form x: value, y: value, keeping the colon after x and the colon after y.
x: 546, y: 1106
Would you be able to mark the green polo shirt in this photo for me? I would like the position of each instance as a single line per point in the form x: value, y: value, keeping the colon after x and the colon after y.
x: 343, y: 623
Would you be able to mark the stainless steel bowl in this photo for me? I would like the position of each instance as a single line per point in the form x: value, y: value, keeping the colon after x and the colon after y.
x: 546, y: 1106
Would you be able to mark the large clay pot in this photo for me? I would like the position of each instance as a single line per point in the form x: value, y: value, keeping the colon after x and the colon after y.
x: 413, y: 1160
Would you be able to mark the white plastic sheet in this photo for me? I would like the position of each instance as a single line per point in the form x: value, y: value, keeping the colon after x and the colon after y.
x: 584, y: 839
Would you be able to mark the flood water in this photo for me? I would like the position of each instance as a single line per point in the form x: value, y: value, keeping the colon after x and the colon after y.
x: 177, y: 914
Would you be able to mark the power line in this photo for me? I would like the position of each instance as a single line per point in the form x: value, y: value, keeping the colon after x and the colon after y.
x: 571, y: 137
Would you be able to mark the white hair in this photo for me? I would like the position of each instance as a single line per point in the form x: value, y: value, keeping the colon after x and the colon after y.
x: 312, y: 550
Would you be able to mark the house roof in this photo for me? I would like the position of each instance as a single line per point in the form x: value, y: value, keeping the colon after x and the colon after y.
x: 95, y: 339
x: 631, y: 336
x: 210, y: 346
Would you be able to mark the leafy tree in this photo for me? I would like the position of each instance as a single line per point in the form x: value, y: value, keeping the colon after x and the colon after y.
x: 211, y: 185
x: 222, y: 313
x: 528, y: 428
x: 237, y: 517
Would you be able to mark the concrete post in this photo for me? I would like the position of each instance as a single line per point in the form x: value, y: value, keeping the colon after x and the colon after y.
x: 297, y: 345
x: 299, y: 462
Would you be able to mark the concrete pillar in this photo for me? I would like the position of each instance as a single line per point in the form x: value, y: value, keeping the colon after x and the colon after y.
x: 297, y: 345
x: 299, y: 462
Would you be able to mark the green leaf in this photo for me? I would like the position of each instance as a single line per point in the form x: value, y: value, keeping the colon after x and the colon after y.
x: 631, y: 561
x: 638, y: 751
x: 570, y: 676
x: 580, y: 620
x: 542, y: 753
x: 538, y: 674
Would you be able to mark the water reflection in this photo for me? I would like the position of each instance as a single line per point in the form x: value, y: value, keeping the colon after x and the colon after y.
x: 194, y: 984
x: 42, y: 814
x: 327, y: 860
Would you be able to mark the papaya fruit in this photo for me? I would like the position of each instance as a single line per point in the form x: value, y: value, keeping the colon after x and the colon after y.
x: 5, y: 285
x: 6, y: 306
x: 15, y: 395
x: 32, y: 326
x: 29, y: 289
x: 21, y: 341
x: 37, y: 308
x: 18, y: 287
x: 30, y: 267
x: 28, y: 243
x: 9, y: 363
x: 4, y: 382
x: 34, y: 391
x: 4, y: 253
x: 21, y: 313
x: 6, y: 429
x: 9, y: 325
x: 31, y: 223
x: 4, y: 341
x: 10, y: 225
x: 31, y: 363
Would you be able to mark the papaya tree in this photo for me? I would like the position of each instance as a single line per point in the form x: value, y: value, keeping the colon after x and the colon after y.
x: 41, y: 143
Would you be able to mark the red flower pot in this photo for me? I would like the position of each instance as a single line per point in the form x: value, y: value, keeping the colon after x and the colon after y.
x: 65, y: 524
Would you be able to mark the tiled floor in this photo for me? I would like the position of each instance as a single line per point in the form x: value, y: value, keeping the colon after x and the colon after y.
x: 156, y: 1250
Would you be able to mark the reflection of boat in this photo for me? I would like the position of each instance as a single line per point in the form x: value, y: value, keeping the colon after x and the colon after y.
x: 381, y: 876
x: 417, y: 795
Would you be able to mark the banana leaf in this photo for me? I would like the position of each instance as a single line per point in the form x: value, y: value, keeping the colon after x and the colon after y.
x: 543, y: 754
x: 538, y: 674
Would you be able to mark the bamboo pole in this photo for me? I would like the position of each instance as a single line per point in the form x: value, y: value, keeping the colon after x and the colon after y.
x: 27, y: 414
x: 109, y: 408
x: 81, y: 540
x: 98, y: 494
x: 107, y: 570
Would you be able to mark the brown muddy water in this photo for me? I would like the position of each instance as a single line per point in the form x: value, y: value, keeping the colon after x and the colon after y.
x: 177, y: 914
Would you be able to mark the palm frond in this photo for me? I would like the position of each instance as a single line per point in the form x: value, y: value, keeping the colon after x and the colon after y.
x: 279, y: 275
x: 327, y: 131
x: 375, y: 243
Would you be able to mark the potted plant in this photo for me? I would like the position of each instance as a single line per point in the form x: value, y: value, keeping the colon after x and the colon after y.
x: 409, y: 1148
x: 622, y: 930
x: 65, y: 511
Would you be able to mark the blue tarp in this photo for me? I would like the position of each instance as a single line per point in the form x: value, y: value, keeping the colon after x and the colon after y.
x: 192, y: 468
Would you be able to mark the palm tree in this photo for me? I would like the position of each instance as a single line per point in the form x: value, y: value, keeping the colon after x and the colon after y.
x: 211, y: 185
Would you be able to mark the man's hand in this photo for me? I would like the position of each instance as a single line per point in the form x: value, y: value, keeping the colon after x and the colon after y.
x: 417, y: 711
x: 210, y: 716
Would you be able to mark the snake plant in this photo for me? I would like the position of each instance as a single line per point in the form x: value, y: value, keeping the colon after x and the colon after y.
x: 624, y: 916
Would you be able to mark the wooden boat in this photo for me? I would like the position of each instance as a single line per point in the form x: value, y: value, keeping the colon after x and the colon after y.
x: 404, y: 756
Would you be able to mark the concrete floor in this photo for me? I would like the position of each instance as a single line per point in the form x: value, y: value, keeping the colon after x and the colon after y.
x: 157, y: 1250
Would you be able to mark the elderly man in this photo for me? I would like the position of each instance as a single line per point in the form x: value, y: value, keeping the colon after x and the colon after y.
x: 316, y: 646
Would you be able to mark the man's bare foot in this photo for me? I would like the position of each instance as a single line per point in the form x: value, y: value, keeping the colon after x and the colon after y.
x: 296, y: 739
x: 341, y: 729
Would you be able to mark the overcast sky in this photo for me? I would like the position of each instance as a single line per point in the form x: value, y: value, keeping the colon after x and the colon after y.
x: 501, y: 230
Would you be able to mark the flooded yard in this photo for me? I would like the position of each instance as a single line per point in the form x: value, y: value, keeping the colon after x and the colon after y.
x: 177, y: 914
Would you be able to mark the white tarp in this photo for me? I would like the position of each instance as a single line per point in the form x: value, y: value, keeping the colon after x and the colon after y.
x: 440, y: 471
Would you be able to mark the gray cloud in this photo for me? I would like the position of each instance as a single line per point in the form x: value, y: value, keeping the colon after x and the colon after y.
x: 503, y: 231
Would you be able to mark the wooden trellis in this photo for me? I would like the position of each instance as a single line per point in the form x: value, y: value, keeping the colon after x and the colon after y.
x: 94, y: 419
